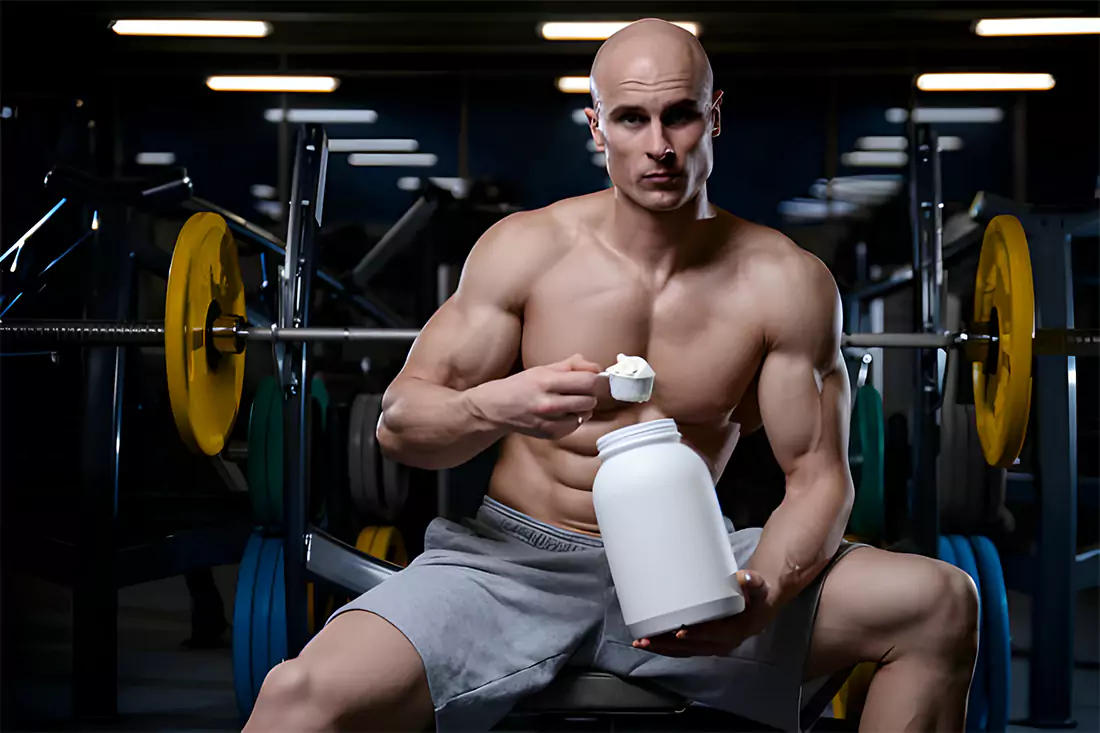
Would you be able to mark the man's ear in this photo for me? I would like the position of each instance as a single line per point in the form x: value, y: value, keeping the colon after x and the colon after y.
x: 716, y: 111
x: 594, y: 127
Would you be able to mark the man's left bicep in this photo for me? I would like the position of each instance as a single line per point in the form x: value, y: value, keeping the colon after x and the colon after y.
x: 803, y: 408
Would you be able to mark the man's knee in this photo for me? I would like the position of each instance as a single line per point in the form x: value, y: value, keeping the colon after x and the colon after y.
x: 951, y: 624
x: 288, y: 694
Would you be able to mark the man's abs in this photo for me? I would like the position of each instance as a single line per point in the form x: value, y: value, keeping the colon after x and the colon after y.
x: 551, y: 481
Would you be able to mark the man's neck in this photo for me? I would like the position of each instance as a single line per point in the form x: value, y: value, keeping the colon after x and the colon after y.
x: 656, y: 239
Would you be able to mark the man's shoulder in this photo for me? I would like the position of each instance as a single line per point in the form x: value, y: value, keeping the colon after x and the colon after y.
x: 767, y: 254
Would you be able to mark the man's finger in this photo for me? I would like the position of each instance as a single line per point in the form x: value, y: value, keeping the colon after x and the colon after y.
x: 753, y: 585
x: 567, y: 406
x: 575, y: 383
x: 574, y: 363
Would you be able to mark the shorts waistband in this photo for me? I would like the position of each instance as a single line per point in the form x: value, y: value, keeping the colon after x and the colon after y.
x: 531, y: 531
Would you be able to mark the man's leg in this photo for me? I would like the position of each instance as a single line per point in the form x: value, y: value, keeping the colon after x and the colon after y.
x: 915, y: 616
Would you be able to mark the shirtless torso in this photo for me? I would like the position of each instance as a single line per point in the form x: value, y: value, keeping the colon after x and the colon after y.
x: 547, y: 284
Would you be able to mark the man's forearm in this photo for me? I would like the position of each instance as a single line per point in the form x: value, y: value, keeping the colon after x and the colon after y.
x: 432, y: 427
x: 803, y: 533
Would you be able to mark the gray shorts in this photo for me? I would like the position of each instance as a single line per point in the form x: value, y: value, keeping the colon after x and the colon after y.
x: 497, y: 606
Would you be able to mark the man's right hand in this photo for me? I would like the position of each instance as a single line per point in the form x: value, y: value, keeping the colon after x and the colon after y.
x: 544, y: 402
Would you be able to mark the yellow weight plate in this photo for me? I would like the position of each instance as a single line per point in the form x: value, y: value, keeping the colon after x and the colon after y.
x: 204, y: 282
x: 1004, y: 294
x: 384, y: 543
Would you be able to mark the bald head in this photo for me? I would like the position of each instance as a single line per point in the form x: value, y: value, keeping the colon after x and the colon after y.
x: 653, y: 54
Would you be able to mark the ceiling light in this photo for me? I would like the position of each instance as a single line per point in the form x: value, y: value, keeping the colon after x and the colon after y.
x: 1036, y: 26
x: 984, y: 82
x: 378, y: 145
x: 323, y: 116
x: 206, y: 28
x: 419, y: 160
x: 262, y: 190
x: 573, y: 84
x: 156, y: 158
x: 874, y: 159
x: 580, y: 117
x: 272, y: 83
x: 900, y: 142
x: 599, y: 160
x: 898, y: 115
x: 597, y: 31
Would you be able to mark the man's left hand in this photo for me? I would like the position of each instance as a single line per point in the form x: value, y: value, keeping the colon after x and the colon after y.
x: 721, y: 636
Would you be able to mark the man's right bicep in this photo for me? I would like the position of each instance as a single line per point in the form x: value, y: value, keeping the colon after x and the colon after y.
x: 465, y: 344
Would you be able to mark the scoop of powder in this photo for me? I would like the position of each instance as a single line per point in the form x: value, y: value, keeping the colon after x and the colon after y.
x: 631, y: 366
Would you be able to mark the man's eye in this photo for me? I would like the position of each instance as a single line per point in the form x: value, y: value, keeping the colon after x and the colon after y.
x: 631, y: 119
x: 680, y: 116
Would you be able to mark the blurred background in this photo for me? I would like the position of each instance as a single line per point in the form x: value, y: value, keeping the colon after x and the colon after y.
x: 469, y: 105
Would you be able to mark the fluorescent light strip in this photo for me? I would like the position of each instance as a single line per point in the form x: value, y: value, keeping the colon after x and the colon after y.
x: 874, y: 159
x: 899, y: 142
x: 272, y: 83
x: 984, y: 82
x: 573, y: 84
x: 1036, y: 26
x: 596, y: 31
x: 419, y: 160
x: 599, y: 160
x: 204, y: 28
x: 156, y: 158
x: 376, y: 145
x: 580, y: 117
x: 898, y: 115
x: 262, y: 191
x: 323, y: 116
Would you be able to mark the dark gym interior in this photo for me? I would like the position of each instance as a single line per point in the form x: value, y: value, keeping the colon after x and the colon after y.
x: 126, y: 550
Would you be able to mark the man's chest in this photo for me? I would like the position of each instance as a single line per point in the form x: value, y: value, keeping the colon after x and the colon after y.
x: 704, y: 343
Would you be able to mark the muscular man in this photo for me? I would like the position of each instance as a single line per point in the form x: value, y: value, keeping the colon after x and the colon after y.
x: 742, y: 328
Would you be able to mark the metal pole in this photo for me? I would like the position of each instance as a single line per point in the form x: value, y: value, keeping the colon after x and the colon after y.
x: 925, y: 211
x: 328, y: 334
x: 1053, y: 595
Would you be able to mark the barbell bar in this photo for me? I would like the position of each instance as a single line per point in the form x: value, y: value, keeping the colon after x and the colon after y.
x: 205, y: 335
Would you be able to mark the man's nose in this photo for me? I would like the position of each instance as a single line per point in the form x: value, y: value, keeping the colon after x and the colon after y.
x: 658, y: 146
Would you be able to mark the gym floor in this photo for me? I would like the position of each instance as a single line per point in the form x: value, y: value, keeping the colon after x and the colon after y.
x: 166, y: 687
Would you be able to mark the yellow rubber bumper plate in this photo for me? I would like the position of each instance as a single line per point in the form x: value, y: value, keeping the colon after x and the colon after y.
x: 1004, y: 295
x: 385, y: 543
x: 204, y: 281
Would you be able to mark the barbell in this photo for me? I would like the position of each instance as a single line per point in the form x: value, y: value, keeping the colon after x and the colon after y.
x: 205, y: 334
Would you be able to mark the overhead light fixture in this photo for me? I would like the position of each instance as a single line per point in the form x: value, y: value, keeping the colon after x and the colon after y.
x: 323, y: 116
x: 272, y: 83
x: 900, y: 142
x: 156, y: 158
x: 573, y: 84
x: 984, y: 82
x: 204, y: 28
x: 599, y: 160
x: 400, y: 160
x: 941, y: 115
x: 1036, y: 26
x: 596, y: 31
x: 874, y: 159
x: 580, y: 117
x: 262, y: 190
x: 377, y: 145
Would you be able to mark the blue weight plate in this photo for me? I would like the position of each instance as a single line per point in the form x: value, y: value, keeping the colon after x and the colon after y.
x: 277, y: 632
x: 977, y: 711
x: 261, y: 611
x: 995, y: 626
x: 242, y: 625
x: 946, y: 551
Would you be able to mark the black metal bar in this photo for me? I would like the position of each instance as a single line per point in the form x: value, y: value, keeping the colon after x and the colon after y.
x: 266, y: 335
x: 927, y: 263
x: 307, y: 192
x: 329, y: 559
x: 95, y: 598
x: 399, y: 236
x: 361, y: 300
x: 1053, y: 596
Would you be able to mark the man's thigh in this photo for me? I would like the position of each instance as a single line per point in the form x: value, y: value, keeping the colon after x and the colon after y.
x: 492, y: 621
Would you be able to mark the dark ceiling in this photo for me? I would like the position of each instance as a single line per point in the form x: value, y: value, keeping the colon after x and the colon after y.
x: 49, y: 43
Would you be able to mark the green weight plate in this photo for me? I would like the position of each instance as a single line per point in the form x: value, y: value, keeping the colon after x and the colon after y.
x: 867, y: 458
x: 242, y: 626
x: 275, y: 448
x: 257, y: 449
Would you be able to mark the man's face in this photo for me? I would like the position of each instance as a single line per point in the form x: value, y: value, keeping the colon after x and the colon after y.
x: 657, y: 138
